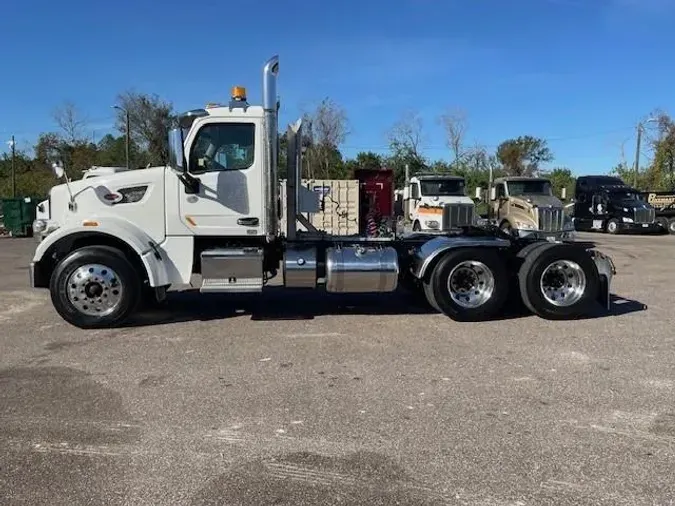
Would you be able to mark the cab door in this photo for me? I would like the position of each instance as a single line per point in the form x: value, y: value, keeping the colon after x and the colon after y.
x: 502, y: 202
x: 227, y: 157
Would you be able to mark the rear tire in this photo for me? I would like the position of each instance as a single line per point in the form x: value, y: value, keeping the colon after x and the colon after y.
x: 559, y: 281
x: 431, y: 298
x: 95, y: 287
x: 469, y: 284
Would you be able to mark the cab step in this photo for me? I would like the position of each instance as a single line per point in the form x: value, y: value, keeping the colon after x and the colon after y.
x: 232, y: 270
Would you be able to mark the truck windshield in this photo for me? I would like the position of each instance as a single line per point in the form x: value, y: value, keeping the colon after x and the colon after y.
x: 442, y: 187
x: 624, y: 195
x: 517, y: 188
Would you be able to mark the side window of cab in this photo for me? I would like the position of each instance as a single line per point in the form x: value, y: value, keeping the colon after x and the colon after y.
x: 501, y: 193
x: 222, y: 147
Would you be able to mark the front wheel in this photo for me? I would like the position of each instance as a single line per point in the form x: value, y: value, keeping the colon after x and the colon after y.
x: 559, y: 281
x: 95, y: 287
x: 469, y: 285
x: 507, y: 229
x: 613, y: 226
x: 671, y: 226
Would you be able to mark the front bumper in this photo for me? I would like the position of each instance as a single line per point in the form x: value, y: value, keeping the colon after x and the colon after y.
x: 640, y: 227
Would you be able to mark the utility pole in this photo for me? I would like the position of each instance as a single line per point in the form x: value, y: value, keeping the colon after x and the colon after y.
x: 640, y: 129
x: 637, y: 155
x: 13, y: 143
x: 128, y: 136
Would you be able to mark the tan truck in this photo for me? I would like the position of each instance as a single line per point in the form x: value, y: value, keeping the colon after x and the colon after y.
x: 526, y: 206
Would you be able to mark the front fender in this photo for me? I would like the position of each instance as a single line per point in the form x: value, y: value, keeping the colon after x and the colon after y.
x: 432, y: 249
x: 122, y: 230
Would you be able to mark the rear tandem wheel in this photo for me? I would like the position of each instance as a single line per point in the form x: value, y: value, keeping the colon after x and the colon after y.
x: 468, y: 284
x: 559, y: 281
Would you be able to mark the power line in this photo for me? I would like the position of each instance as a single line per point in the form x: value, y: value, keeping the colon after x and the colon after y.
x: 374, y: 147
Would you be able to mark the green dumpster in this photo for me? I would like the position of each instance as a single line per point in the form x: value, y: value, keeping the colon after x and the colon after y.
x: 19, y: 214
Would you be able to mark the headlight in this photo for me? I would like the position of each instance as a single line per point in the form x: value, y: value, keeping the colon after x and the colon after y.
x: 431, y: 224
x: 523, y: 225
x: 39, y: 226
x: 625, y: 209
x: 627, y: 220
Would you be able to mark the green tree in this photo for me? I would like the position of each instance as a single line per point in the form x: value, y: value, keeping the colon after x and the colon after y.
x: 325, y: 129
x: 405, y: 146
x: 150, y: 119
x: 521, y: 156
x: 560, y: 178
x: 364, y: 160
x: 112, y: 151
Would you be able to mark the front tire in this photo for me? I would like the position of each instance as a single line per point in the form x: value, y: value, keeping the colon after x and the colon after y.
x: 507, y: 229
x: 469, y: 285
x: 671, y: 226
x: 559, y: 281
x: 613, y: 226
x: 95, y: 287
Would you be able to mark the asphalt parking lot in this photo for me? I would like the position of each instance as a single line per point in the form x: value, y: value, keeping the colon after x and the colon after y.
x: 318, y: 400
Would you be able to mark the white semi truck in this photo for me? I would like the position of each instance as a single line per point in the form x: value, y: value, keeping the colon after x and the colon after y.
x: 438, y: 202
x: 214, y: 211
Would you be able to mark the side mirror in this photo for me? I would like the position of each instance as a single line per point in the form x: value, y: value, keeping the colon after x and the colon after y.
x: 58, y: 170
x: 177, y: 161
x: 563, y: 194
x: 176, y: 153
x: 406, y: 193
x: 479, y: 193
x: 493, y: 193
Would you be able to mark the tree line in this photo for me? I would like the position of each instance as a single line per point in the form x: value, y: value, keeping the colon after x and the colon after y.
x: 326, y: 130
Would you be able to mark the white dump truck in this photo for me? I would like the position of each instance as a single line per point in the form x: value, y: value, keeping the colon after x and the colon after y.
x: 214, y: 213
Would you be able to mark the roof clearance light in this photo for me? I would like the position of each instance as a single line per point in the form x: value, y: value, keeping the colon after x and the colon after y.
x: 238, y: 93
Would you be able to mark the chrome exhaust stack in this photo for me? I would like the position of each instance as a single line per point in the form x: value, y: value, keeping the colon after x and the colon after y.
x: 271, y: 109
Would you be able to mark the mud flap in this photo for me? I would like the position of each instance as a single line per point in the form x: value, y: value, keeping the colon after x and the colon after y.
x: 604, y: 297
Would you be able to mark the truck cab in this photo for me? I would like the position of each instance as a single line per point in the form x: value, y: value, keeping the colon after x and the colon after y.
x: 607, y: 204
x: 526, y: 206
x: 438, y: 202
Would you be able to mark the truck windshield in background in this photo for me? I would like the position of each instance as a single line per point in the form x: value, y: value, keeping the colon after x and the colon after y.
x: 442, y: 187
x: 625, y: 196
x: 517, y: 188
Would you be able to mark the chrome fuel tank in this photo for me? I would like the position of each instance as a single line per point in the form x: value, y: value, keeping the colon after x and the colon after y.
x: 357, y: 269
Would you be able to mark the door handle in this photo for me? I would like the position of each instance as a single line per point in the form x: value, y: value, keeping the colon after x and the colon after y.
x: 248, y: 222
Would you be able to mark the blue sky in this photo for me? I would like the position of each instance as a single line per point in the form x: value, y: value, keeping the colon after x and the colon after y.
x: 579, y: 73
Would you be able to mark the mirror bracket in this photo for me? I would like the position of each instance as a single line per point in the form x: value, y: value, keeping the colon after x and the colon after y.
x: 191, y: 183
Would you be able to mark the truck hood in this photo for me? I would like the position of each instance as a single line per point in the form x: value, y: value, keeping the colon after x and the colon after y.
x: 454, y: 199
x: 541, y: 200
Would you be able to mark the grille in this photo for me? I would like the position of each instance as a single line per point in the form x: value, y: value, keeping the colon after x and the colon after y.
x: 550, y: 219
x: 457, y: 215
x: 644, y: 215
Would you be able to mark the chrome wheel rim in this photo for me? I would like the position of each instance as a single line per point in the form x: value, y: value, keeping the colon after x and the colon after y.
x: 95, y: 290
x: 471, y: 284
x: 611, y: 226
x: 563, y: 283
